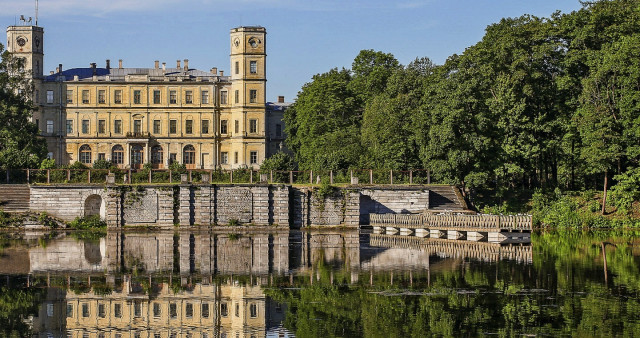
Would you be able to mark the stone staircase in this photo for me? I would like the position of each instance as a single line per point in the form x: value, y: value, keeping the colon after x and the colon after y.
x: 445, y: 197
x: 14, y: 197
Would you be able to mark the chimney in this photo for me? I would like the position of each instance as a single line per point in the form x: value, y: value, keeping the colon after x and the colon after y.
x: 51, y: 73
x: 164, y: 67
x: 60, y: 68
x: 214, y: 70
x: 120, y: 63
x: 222, y: 73
x: 108, y: 64
x: 186, y: 65
x: 57, y: 70
x: 178, y: 64
x: 93, y: 69
x: 157, y: 64
x: 280, y: 99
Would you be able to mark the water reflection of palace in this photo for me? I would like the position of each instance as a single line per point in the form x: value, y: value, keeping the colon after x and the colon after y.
x: 201, y: 311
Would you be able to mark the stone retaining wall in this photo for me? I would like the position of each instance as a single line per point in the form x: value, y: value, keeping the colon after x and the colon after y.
x: 206, y: 204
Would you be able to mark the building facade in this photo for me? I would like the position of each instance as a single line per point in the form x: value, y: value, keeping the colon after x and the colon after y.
x: 158, y: 115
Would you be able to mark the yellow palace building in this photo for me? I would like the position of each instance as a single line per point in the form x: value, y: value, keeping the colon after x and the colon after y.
x: 159, y: 115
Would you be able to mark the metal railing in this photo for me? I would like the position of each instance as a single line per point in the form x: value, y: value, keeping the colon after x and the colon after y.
x: 132, y: 176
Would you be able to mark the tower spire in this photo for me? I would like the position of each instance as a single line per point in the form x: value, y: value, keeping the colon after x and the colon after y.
x: 36, y: 12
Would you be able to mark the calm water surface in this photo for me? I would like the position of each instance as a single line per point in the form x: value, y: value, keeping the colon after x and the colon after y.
x: 316, y: 284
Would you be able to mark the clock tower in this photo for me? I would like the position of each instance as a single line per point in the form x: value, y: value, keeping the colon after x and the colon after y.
x: 27, y: 42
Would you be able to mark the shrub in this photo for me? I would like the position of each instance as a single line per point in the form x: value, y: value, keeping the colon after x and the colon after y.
x: 627, y: 190
x: 88, y: 222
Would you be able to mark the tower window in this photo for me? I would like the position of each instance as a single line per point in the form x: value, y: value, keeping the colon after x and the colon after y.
x: 237, y: 67
x: 117, y: 96
x: 253, y: 67
x: 49, y: 96
x: 253, y: 96
x: 237, y: 96
x: 253, y: 126
x: 235, y: 157
x: 237, y: 126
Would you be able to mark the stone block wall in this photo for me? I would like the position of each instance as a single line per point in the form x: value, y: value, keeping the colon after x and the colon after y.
x: 207, y: 205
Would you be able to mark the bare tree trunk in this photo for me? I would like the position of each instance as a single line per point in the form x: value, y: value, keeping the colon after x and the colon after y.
x: 604, y: 195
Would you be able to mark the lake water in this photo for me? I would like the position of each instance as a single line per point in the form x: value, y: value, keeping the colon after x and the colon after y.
x: 316, y: 284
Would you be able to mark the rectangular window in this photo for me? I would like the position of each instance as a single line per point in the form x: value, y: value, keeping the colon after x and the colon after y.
x: 237, y: 99
x: 102, y: 157
x: 253, y: 96
x: 237, y: 127
x: 223, y: 97
x: 85, y: 310
x: 117, y: 96
x: 237, y: 67
x: 69, y: 126
x: 205, y: 310
x: 173, y: 97
x: 253, y: 126
x: 224, y: 311
x: 188, y: 97
x: 253, y: 310
x: 136, y: 97
x: 117, y: 127
x: 137, y: 309
x: 188, y: 310
x: 101, y: 96
x: 156, y: 310
x: 37, y: 123
x: 278, y: 130
x: 49, y: 96
x: 49, y: 126
x: 49, y: 309
x: 205, y: 97
x: 188, y: 126
x: 102, y: 126
x: 205, y: 126
x: 223, y: 126
x: 156, y: 96
x: 172, y: 157
x: 137, y: 126
x: 101, y: 311
x: 235, y: 157
x: 173, y: 310
x: 85, y: 126
x: 117, y: 310
x: 69, y: 310
x: 69, y: 96
x: 237, y: 310
x: 253, y: 67
x: 156, y: 127
x: 173, y: 126
x: 254, y: 157
x: 224, y: 157
x: 85, y: 96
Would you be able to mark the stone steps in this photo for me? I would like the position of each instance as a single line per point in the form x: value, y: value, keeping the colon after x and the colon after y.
x: 444, y: 198
x: 14, y: 197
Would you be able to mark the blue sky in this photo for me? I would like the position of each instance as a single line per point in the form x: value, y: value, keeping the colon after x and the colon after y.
x: 304, y: 37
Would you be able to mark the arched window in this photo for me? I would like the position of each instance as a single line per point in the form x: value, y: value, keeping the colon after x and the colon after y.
x: 157, y: 157
x: 85, y: 154
x: 117, y: 154
x: 137, y: 156
x: 189, y: 155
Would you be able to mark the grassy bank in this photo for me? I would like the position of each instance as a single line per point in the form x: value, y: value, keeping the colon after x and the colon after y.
x: 563, y: 209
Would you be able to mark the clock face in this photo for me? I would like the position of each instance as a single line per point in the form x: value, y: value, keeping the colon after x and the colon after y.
x: 236, y: 42
x: 21, y: 41
x: 254, y: 42
x: 37, y: 41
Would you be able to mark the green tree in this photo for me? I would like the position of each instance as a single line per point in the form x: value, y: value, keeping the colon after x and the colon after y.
x: 20, y: 146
